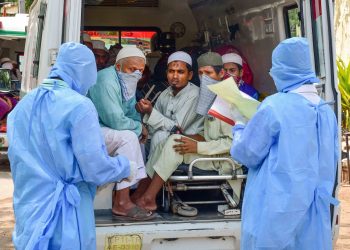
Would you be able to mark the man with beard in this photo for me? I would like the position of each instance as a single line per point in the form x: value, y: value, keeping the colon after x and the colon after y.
x: 101, y: 54
x: 215, y: 141
x: 175, y: 108
x: 114, y: 99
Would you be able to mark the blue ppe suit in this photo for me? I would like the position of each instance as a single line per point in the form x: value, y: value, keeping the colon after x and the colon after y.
x: 290, y: 147
x: 58, y: 156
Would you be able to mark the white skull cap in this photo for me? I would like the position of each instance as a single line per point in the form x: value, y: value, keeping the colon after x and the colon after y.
x: 180, y: 56
x: 232, y: 58
x: 97, y: 44
x: 130, y: 52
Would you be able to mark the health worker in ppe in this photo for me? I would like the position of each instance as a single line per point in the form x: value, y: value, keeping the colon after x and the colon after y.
x: 58, y: 156
x: 290, y: 147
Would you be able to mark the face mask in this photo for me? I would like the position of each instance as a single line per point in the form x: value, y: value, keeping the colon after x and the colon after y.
x: 206, y: 97
x: 129, y: 83
x: 237, y: 79
x: 226, y: 75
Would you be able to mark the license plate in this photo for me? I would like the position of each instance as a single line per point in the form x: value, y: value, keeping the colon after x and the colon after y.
x: 123, y: 242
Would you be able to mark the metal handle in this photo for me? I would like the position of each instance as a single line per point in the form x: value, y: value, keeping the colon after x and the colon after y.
x: 229, y: 160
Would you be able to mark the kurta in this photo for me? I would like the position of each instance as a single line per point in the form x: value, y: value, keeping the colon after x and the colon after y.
x: 170, y: 111
x: 218, y: 141
x: 114, y: 112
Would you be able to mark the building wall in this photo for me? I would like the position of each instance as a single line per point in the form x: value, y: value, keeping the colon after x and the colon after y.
x: 342, y: 29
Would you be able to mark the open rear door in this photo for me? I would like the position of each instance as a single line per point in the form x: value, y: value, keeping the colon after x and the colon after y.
x: 50, y: 24
x: 319, y: 29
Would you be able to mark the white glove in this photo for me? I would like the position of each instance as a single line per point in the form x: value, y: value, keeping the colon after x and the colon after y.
x: 133, y: 171
x: 237, y: 116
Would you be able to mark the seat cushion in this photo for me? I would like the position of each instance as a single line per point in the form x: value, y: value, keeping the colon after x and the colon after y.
x: 182, y: 169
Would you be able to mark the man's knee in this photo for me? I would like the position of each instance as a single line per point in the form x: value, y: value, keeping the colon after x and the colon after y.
x: 129, y: 137
x: 171, y: 140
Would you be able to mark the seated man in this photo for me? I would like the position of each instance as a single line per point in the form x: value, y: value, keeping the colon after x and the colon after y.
x: 216, y: 142
x: 101, y: 54
x: 87, y: 41
x: 175, y: 108
x: 114, y: 98
x: 233, y: 67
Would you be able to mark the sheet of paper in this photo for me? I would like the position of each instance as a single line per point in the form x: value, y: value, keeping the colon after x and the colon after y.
x: 228, y: 90
x: 221, y: 110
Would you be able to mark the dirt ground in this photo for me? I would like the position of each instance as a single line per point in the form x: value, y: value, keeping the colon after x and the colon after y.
x: 6, y: 213
x: 343, y: 242
x: 7, y: 219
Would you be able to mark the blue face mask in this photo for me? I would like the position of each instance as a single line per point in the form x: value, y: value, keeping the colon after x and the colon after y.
x: 206, y: 97
x: 129, y: 83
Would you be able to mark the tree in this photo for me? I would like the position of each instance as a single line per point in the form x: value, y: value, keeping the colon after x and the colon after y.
x: 342, y: 27
x: 28, y: 4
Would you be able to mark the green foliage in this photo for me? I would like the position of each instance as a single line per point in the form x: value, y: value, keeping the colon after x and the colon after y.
x: 28, y: 3
x: 294, y: 22
x: 344, y: 88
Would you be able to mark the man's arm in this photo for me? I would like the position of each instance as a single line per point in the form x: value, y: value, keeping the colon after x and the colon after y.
x: 251, y: 143
x: 153, y: 115
x: 222, y: 144
x: 108, y: 102
x: 90, y: 150
x: 186, y: 117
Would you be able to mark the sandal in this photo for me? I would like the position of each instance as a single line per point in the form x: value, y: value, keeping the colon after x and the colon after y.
x: 136, y: 214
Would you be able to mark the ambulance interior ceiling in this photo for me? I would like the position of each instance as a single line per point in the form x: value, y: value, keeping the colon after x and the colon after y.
x: 214, y: 16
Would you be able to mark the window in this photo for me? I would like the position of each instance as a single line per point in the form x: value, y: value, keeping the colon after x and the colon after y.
x: 292, y: 21
x: 317, y: 28
x: 140, y: 38
x: 38, y: 39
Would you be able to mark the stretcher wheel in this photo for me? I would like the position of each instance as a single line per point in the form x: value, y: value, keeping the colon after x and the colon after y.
x: 187, y: 211
x: 166, y: 203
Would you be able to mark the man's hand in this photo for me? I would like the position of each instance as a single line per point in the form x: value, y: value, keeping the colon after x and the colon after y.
x: 144, y: 106
x: 196, y: 137
x: 185, y: 146
x: 144, y: 134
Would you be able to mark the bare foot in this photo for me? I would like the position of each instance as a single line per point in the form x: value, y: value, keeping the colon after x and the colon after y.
x: 122, y: 209
x: 147, y: 204
x: 135, y: 197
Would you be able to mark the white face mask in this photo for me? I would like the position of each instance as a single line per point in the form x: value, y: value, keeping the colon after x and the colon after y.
x: 129, y: 83
x: 206, y: 97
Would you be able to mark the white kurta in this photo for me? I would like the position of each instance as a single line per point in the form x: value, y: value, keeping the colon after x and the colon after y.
x: 170, y: 111
x: 126, y: 143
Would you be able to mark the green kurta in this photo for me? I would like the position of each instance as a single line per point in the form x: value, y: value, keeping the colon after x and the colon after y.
x: 113, y: 111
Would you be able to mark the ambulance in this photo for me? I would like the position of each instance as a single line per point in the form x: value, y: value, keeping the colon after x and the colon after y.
x: 251, y: 27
